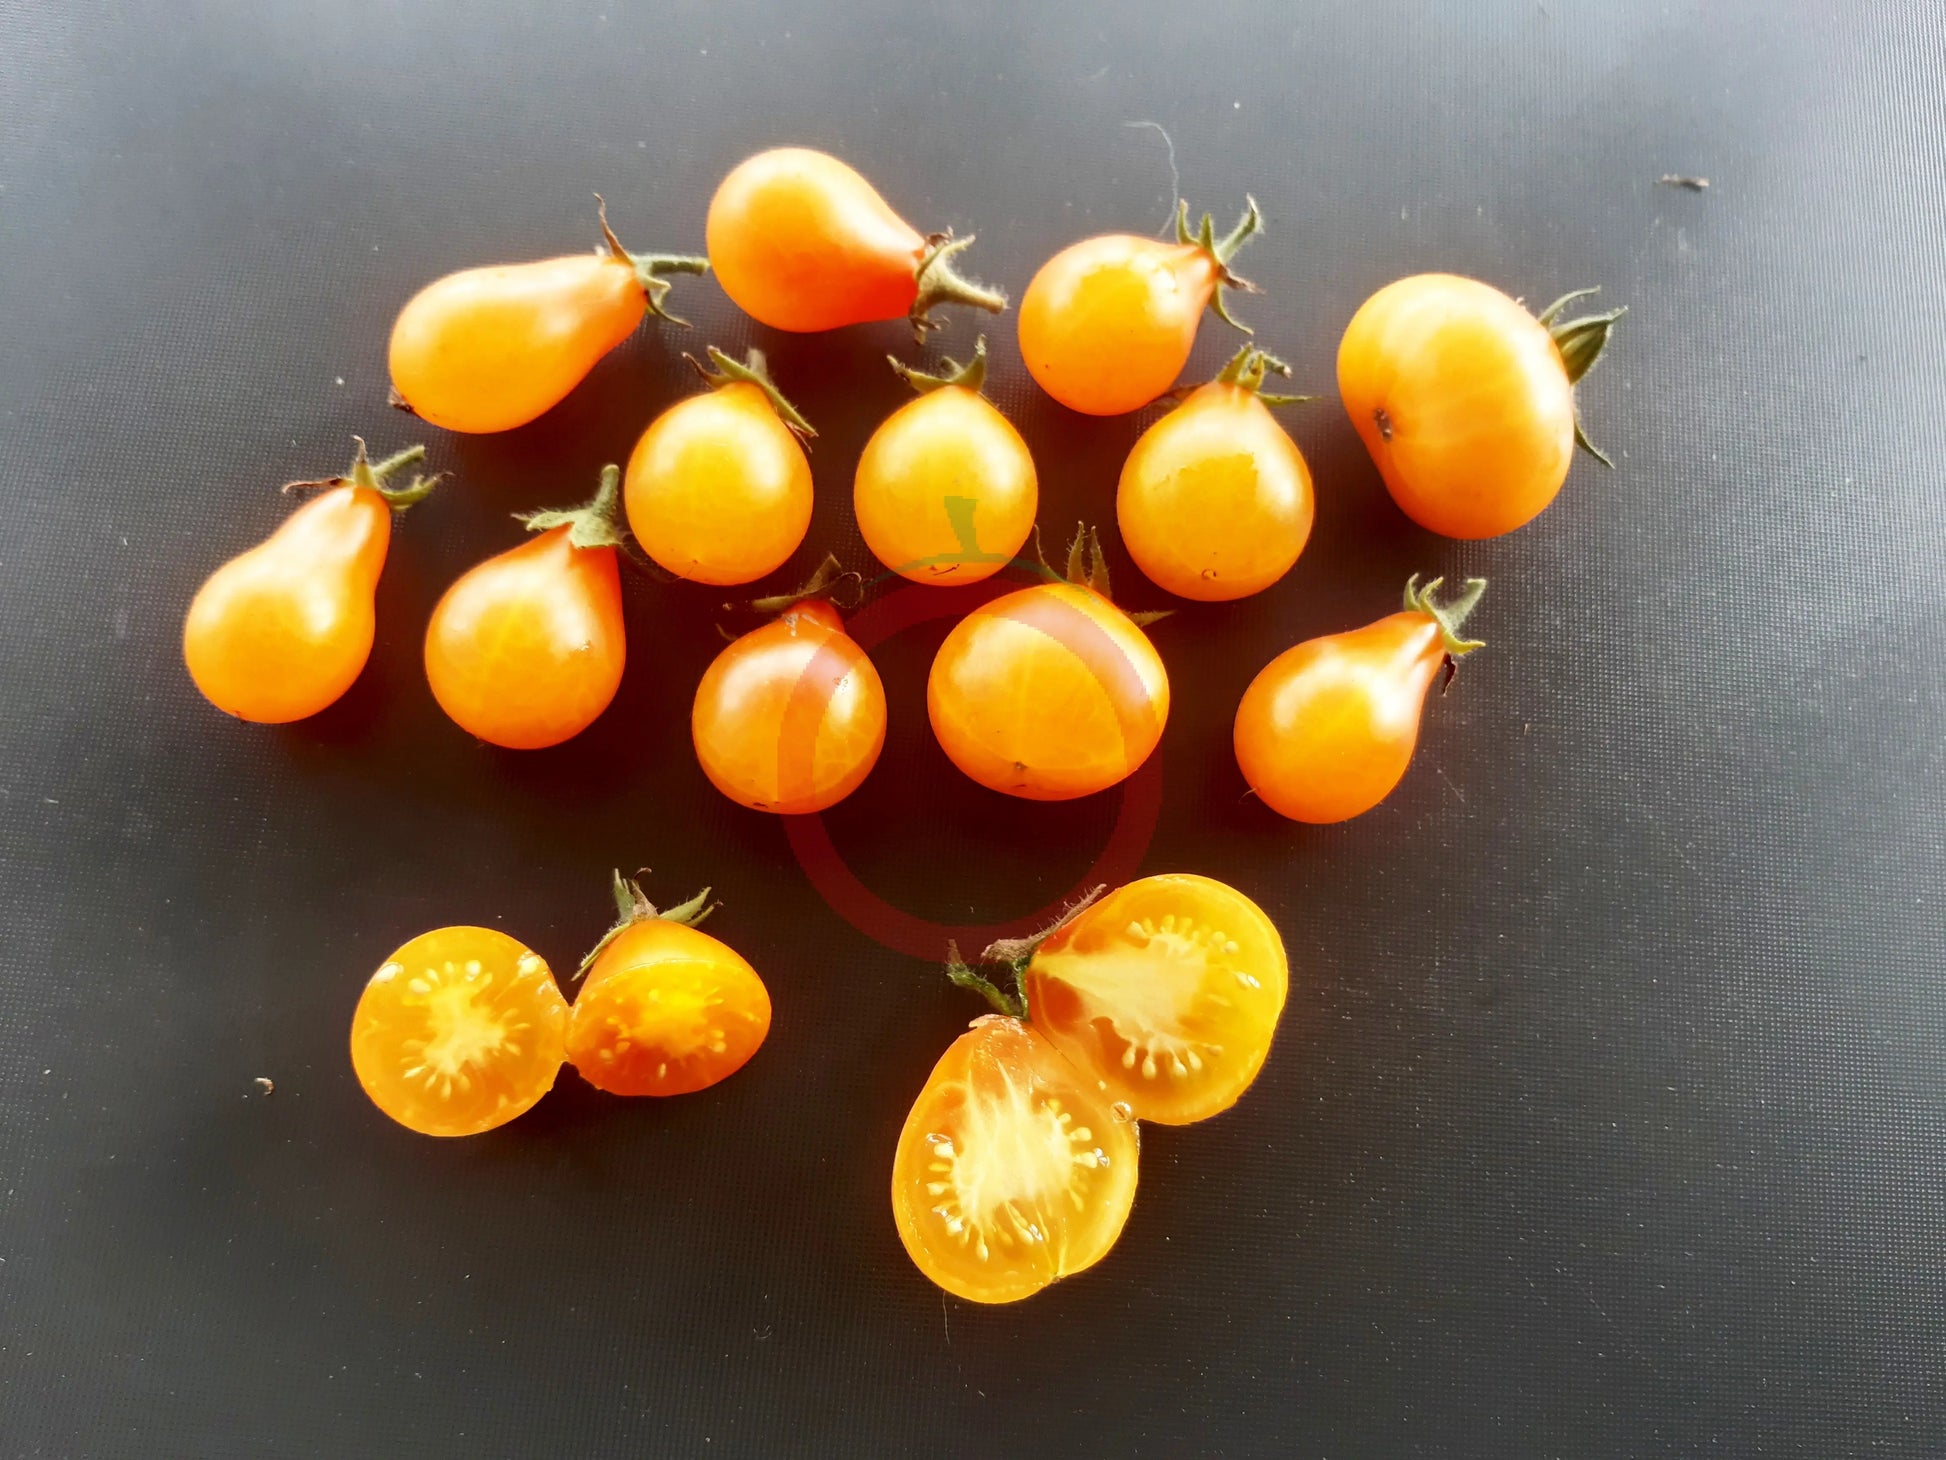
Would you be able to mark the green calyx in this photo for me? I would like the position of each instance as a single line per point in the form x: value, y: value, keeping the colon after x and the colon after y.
x: 1449, y: 616
x: 938, y: 283
x: 1087, y: 567
x: 1222, y: 250
x: 650, y: 267
x: 1581, y: 342
x: 598, y: 524
x: 837, y: 585
x: 1012, y: 955
x: 970, y: 376
x: 1247, y: 370
x: 754, y: 370
x: 632, y: 906
x: 364, y: 472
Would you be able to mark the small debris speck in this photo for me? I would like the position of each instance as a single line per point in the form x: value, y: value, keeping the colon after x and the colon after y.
x: 1678, y: 180
x: 338, y: 379
x: 266, y: 1084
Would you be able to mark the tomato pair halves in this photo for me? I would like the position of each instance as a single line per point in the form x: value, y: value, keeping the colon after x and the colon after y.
x: 719, y: 490
x: 1327, y: 729
x: 802, y: 242
x: 527, y: 648
x: 790, y: 717
x: 1215, y: 500
x: 1108, y: 323
x: 492, y: 348
x: 281, y: 631
x: 1466, y: 401
x: 1050, y: 692
x: 946, y: 491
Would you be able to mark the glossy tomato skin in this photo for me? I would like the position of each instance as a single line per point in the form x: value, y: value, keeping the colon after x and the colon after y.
x: 1327, y: 729
x: 802, y: 242
x: 493, y: 348
x: 1168, y: 990
x: 459, y: 1031
x: 1108, y: 323
x: 1215, y: 500
x: 718, y: 489
x: 1013, y: 1171
x: 666, y: 1010
x: 281, y: 631
x: 941, y: 470
x: 527, y: 648
x: 1048, y: 693
x: 1463, y: 401
x: 791, y: 717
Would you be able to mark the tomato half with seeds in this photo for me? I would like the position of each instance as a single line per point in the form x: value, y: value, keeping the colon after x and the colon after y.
x: 1013, y: 1170
x: 665, y: 1009
x: 1108, y: 323
x: 1168, y: 990
x: 1466, y: 401
x: 459, y: 1031
x: 280, y: 632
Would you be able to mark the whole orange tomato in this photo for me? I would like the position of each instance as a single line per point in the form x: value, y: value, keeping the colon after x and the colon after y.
x: 281, y: 631
x: 1466, y: 401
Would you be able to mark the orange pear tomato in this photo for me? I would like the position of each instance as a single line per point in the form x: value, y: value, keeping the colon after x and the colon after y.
x: 281, y: 631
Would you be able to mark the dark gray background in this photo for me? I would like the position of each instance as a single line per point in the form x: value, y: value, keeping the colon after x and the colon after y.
x: 1607, y: 1115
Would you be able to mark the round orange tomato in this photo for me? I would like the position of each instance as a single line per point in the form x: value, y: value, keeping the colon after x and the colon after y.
x: 802, y: 242
x: 666, y: 1009
x: 1108, y: 323
x: 492, y: 348
x: 527, y: 648
x: 1168, y: 990
x: 946, y: 491
x: 791, y: 717
x: 1048, y: 693
x: 1466, y: 401
x: 1215, y: 500
x: 1012, y: 1171
x: 719, y: 490
x: 459, y: 1031
x: 1327, y: 729
x: 281, y: 631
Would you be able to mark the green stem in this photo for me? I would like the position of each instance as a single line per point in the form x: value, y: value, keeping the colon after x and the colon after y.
x: 632, y: 906
x: 938, y: 283
x: 1247, y: 370
x: 824, y: 583
x: 598, y: 524
x: 363, y: 472
x: 970, y: 376
x: 1014, y: 1004
x: 1221, y: 251
x: 650, y: 267
x: 1449, y: 616
x: 754, y: 371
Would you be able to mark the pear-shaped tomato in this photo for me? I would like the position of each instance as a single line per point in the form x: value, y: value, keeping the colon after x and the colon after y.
x: 1466, y: 401
x: 281, y: 631
x: 802, y: 242
x: 1327, y: 729
x: 527, y: 648
x: 1108, y: 323
x: 946, y: 491
x: 492, y: 348
x: 1215, y: 500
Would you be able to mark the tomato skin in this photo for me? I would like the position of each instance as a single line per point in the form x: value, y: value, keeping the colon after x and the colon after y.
x: 492, y: 348
x: 1108, y: 323
x: 526, y: 649
x: 459, y: 1031
x: 1215, y: 501
x: 1048, y: 693
x: 949, y: 443
x: 803, y: 242
x: 1168, y: 990
x: 718, y: 489
x: 1327, y: 728
x: 1012, y: 1172
x: 1463, y: 400
x: 281, y: 631
x: 666, y: 1010
x: 791, y: 717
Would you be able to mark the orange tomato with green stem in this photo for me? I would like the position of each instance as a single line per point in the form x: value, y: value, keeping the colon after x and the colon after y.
x: 281, y: 631
x: 946, y: 490
x: 719, y: 489
x: 803, y: 242
x: 1108, y: 323
x: 492, y: 348
x: 527, y: 648
x: 1327, y: 729
x: 1466, y: 401
x: 1215, y: 500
